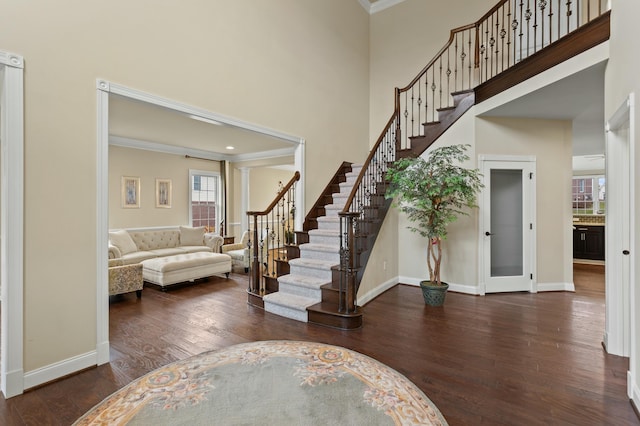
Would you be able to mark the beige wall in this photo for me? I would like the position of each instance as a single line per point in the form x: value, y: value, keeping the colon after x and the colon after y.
x: 149, y: 166
x: 550, y: 142
x: 298, y: 66
x: 404, y: 38
x: 263, y: 186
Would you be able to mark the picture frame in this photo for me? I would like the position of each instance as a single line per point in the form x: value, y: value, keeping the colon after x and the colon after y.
x: 130, y: 192
x: 163, y: 193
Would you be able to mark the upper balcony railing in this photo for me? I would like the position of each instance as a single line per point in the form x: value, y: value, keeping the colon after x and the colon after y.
x: 510, y: 32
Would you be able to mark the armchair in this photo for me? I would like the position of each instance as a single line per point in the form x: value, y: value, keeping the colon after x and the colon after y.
x: 239, y: 252
x: 125, y: 278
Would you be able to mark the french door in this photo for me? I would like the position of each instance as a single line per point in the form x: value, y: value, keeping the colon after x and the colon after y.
x: 507, y: 224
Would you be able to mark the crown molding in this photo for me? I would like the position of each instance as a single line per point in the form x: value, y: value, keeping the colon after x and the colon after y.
x: 11, y: 59
x: 378, y: 6
x: 209, y: 155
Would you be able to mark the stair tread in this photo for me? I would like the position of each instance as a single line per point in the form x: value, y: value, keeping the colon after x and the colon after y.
x: 292, y: 301
x: 302, y: 281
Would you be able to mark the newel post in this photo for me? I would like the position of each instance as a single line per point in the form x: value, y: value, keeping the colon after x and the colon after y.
x: 347, y: 287
x: 254, y: 284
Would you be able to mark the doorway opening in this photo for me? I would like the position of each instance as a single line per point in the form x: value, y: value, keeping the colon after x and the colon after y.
x: 104, y: 91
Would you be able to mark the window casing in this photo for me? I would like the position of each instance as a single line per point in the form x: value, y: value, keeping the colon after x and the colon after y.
x: 588, y: 195
x: 204, y: 199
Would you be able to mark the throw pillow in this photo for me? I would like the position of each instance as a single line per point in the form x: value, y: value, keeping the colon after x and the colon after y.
x: 123, y: 241
x: 191, y: 236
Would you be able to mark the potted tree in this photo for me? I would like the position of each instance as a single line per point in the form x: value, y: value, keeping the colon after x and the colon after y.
x: 433, y: 192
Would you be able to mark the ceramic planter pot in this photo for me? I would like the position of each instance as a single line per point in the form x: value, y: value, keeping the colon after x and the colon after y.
x: 433, y: 294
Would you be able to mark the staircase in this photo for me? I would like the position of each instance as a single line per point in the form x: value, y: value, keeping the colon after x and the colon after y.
x: 313, y: 270
x: 480, y: 60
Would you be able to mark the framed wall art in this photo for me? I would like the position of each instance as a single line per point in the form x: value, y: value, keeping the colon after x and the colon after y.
x: 163, y: 193
x: 130, y: 192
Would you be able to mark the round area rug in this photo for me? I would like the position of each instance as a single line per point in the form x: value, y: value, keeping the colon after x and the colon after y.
x: 269, y: 383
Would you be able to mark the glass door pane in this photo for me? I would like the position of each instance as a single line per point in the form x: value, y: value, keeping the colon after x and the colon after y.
x: 506, y: 223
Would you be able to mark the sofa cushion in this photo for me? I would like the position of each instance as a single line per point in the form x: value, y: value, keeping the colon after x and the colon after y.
x: 196, y: 249
x: 168, y: 251
x: 192, y: 236
x: 123, y: 241
x: 137, y: 257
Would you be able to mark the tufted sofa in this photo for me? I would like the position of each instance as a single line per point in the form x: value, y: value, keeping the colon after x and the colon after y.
x: 134, y: 246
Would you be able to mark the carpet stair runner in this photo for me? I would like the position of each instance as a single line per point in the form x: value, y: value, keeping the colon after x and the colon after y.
x: 301, y: 288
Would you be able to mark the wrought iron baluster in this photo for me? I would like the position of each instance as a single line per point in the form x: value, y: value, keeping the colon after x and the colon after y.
x: 569, y: 12
x: 412, y: 114
x: 420, y: 131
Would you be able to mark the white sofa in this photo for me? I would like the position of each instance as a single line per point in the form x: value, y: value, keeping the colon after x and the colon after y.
x: 134, y: 246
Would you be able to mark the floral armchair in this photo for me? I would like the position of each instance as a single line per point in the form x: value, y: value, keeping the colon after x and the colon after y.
x: 125, y: 278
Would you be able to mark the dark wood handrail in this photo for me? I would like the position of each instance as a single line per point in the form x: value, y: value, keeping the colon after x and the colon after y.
x: 452, y: 34
x: 372, y: 153
x: 327, y: 190
x: 281, y: 194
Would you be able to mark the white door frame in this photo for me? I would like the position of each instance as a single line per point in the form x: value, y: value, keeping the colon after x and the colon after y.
x: 104, y: 89
x: 619, y: 334
x: 12, y: 224
x: 482, y: 273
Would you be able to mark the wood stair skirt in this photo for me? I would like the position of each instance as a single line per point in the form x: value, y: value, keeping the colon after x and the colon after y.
x: 300, y: 293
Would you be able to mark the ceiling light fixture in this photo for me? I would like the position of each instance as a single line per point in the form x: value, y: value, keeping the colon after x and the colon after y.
x: 231, y: 147
x: 205, y: 120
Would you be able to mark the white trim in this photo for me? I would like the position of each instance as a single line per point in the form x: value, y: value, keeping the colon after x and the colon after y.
x: 209, y: 155
x: 218, y: 176
x: 619, y: 334
x: 457, y: 288
x: 104, y: 88
x: 375, y: 292
x: 633, y: 392
x: 529, y: 165
x: 556, y: 287
x: 244, y: 197
x: 378, y: 6
x: 54, y: 371
x: 102, y: 224
x: 12, y: 225
x: 139, y: 95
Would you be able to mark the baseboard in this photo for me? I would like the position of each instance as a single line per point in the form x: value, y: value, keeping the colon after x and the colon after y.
x: 633, y: 392
x: 102, y: 353
x: 457, y: 288
x: 13, y: 383
x: 556, y: 287
x: 59, y: 369
x: 372, y: 294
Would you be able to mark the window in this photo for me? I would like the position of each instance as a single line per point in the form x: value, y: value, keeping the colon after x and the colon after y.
x: 589, y: 195
x: 204, y: 199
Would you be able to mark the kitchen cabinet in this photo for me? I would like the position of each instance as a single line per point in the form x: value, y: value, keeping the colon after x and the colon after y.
x: 588, y: 242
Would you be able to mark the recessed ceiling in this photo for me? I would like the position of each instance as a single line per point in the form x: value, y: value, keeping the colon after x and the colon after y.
x: 147, y: 123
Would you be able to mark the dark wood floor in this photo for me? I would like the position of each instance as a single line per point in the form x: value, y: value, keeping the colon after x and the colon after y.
x: 512, y: 359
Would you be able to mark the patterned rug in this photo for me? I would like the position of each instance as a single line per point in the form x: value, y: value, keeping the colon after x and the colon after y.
x: 269, y: 383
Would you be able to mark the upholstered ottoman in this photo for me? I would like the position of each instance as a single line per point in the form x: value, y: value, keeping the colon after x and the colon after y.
x: 168, y: 270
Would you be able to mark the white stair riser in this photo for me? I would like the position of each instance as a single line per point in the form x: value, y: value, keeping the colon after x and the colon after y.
x: 286, y: 312
x: 290, y: 288
x: 324, y: 274
x: 329, y: 240
x: 320, y: 255
x: 329, y: 225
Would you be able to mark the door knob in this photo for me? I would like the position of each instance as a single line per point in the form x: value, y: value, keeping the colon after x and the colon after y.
x: 487, y: 233
x: 625, y: 252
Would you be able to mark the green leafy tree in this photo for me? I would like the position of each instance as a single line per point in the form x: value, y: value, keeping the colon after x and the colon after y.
x: 433, y: 192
